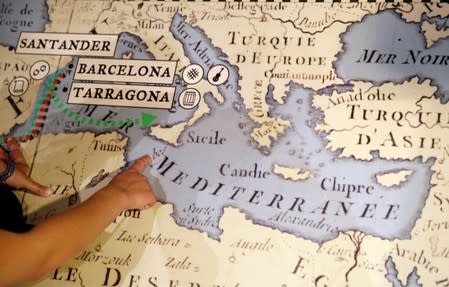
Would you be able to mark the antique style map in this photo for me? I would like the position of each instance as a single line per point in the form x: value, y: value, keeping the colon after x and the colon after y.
x: 293, y: 144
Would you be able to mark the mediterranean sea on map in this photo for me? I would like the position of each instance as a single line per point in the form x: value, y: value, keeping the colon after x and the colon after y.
x: 321, y: 160
x: 197, y: 178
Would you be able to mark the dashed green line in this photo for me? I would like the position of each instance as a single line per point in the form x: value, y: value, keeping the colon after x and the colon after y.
x: 48, y: 96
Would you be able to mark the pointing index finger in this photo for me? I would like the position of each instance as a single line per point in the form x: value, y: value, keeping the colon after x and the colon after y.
x: 141, y: 163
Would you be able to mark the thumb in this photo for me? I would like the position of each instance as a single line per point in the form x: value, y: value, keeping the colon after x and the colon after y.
x: 30, y: 185
x: 37, y: 188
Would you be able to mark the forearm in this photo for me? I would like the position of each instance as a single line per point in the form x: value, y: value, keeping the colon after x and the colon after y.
x: 65, y: 235
x: 33, y: 254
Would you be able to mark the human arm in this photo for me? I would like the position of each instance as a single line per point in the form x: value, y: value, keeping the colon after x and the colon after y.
x: 52, y: 242
x: 20, y: 179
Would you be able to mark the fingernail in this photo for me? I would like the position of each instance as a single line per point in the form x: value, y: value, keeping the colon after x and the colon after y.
x: 47, y: 192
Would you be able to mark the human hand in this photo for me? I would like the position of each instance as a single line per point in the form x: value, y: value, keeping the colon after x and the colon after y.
x: 20, y: 179
x: 138, y: 191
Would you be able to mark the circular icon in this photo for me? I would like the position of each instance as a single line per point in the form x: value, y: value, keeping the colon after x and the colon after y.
x: 18, y: 86
x: 192, y: 74
x: 39, y: 70
x: 189, y: 98
x: 218, y: 74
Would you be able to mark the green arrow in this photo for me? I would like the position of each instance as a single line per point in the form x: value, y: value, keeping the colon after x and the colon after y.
x: 147, y: 119
x: 49, y: 86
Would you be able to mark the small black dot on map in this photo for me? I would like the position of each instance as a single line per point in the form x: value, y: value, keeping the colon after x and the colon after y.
x: 399, y: 39
x: 11, y: 48
x: 64, y: 89
x: 70, y: 66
